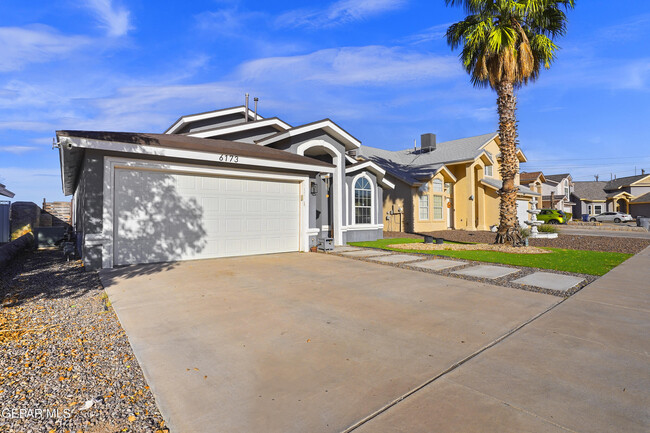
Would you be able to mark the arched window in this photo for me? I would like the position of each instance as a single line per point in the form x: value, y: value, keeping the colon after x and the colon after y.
x: 437, y: 185
x: 362, y: 201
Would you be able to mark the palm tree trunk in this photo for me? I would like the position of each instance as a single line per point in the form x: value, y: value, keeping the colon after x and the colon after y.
x: 506, y: 105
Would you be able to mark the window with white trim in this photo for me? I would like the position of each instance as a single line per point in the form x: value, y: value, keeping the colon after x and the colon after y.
x: 424, y: 207
x: 437, y: 207
x: 488, y: 170
x: 362, y: 201
x: 598, y: 209
x: 437, y: 185
x: 566, y: 188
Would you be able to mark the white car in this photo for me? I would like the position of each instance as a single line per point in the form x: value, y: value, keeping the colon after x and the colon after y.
x: 616, y: 217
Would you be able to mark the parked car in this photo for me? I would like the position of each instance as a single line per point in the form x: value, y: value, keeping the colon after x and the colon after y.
x: 552, y: 216
x: 617, y: 217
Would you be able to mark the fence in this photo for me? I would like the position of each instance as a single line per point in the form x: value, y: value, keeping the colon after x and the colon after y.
x: 61, y: 212
x: 4, y: 221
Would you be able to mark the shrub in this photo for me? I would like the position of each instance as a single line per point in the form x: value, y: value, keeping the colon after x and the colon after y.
x: 569, y: 216
x: 524, y: 232
x: 548, y: 228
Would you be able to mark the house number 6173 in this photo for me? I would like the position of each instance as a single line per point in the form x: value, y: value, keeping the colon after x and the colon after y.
x: 228, y: 158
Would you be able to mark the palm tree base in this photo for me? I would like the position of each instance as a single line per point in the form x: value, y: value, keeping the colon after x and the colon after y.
x: 509, y: 235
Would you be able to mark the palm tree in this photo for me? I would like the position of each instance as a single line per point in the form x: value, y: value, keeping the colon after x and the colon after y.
x: 505, y: 43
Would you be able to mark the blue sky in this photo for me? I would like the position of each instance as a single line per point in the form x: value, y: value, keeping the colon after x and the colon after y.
x: 379, y: 68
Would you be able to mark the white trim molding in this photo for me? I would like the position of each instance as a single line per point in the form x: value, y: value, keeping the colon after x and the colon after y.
x: 337, y: 182
x: 326, y: 125
x: 117, y: 146
x: 246, y: 126
x: 107, y: 237
x: 371, y: 166
x: 373, y: 200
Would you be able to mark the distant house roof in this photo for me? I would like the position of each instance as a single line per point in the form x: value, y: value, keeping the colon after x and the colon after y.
x: 529, y: 177
x: 4, y: 191
x: 624, y: 181
x: 496, y: 184
x: 556, y: 178
x: 589, y: 190
x: 412, y: 165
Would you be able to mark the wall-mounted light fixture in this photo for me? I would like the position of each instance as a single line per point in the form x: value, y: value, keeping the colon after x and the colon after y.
x: 314, y: 188
x: 471, y: 197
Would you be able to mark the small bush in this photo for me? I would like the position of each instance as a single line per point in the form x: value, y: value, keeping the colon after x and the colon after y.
x: 569, y: 216
x: 524, y: 232
x: 548, y: 228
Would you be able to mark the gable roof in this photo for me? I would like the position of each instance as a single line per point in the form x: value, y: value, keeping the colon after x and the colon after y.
x: 530, y: 177
x: 557, y: 178
x: 645, y: 198
x: 189, y: 118
x: 413, y: 165
x: 327, y: 125
x: 590, y: 190
x: 624, y: 181
x: 4, y: 191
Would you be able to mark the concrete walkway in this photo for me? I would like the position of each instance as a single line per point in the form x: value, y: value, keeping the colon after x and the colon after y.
x: 582, y: 367
x: 608, y: 233
x: 300, y: 342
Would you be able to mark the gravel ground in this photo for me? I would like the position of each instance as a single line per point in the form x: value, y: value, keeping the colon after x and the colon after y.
x: 64, y: 349
x: 572, y: 242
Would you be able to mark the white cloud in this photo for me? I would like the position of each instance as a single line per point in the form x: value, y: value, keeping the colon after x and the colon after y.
x: 33, y: 184
x: 115, y: 19
x: 34, y: 44
x: 351, y: 66
x: 435, y: 33
x: 340, y: 12
x: 17, y: 150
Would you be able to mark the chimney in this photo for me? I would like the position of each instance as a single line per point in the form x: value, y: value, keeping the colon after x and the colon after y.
x: 428, y: 142
x: 246, y: 112
x: 642, y: 171
x: 256, y: 99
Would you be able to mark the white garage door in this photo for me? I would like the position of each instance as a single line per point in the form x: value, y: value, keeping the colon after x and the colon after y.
x: 522, y: 215
x: 163, y: 217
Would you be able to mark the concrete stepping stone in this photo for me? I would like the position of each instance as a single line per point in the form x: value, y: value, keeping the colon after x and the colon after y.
x: 397, y: 258
x: 549, y: 280
x: 486, y: 271
x: 345, y: 248
x: 366, y: 253
x: 437, y: 265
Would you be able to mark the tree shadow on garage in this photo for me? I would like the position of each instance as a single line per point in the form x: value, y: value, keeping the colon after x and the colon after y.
x: 154, y: 224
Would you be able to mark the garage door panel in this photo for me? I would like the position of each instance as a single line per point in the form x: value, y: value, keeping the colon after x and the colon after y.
x: 201, y: 217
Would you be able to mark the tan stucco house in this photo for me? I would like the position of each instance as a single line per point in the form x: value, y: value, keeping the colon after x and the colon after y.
x: 447, y: 185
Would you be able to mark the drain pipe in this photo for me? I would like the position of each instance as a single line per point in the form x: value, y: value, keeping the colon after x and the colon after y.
x: 246, y: 113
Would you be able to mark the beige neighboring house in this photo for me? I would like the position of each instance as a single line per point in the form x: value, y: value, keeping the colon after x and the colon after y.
x: 445, y: 185
x: 556, y: 192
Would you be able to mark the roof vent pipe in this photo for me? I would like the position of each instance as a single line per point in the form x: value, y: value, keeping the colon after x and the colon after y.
x: 256, y: 99
x: 428, y: 142
x: 246, y: 113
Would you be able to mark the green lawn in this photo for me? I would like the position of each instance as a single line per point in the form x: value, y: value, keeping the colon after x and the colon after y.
x: 578, y: 261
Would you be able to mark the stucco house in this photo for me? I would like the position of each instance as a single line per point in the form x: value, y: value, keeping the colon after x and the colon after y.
x: 533, y: 180
x: 556, y: 192
x: 446, y: 185
x: 630, y: 194
x: 217, y: 184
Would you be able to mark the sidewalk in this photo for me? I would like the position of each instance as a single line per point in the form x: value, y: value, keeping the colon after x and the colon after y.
x: 582, y: 367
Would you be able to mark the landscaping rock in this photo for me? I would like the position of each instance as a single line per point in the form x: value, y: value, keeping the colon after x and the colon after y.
x: 64, y: 351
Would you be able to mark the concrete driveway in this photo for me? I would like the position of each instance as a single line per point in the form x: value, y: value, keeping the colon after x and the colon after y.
x: 300, y: 342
